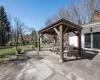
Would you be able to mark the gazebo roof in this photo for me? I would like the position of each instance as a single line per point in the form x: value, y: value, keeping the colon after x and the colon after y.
x: 50, y: 29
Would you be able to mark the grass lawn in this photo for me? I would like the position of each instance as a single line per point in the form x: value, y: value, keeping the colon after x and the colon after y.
x: 9, y: 51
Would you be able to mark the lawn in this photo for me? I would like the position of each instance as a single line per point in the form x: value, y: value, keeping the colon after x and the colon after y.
x: 7, y: 52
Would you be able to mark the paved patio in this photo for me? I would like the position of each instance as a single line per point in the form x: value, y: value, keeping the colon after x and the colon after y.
x: 49, y: 68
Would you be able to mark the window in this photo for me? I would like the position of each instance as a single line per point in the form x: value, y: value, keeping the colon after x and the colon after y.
x: 96, y: 40
x: 88, y: 40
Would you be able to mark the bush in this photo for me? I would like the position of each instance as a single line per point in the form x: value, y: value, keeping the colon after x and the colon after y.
x: 18, y: 51
x: 36, y: 44
x: 11, y: 43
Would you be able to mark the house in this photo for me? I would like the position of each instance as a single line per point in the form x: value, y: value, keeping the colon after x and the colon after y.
x: 90, y: 34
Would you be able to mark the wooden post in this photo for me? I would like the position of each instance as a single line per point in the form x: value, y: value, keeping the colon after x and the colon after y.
x: 61, y: 43
x: 39, y: 42
x: 79, y: 42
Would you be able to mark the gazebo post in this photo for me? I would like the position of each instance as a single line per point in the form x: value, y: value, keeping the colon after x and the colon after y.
x: 39, y: 42
x: 61, y: 43
x: 79, y: 41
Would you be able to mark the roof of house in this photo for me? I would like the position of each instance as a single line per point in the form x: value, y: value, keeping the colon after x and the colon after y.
x: 92, y: 24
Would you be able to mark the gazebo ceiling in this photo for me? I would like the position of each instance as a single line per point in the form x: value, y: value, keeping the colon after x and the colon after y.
x: 65, y: 23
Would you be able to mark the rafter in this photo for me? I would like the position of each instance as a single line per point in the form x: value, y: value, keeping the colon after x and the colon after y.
x: 66, y: 30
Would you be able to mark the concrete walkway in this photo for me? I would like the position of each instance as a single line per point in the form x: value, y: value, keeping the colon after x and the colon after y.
x: 49, y: 68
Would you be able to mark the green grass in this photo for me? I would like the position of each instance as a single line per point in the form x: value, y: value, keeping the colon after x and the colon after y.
x: 12, y: 50
x: 8, y: 52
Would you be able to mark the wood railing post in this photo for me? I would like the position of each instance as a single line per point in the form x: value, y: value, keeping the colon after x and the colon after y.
x: 79, y: 42
x: 61, y: 43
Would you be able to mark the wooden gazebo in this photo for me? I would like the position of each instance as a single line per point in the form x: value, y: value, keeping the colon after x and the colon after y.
x: 59, y: 28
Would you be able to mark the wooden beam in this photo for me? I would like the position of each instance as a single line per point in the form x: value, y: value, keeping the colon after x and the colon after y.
x: 66, y: 30
x: 61, y: 43
x: 54, y: 36
x: 56, y: 31
x: 75, y: 33
x: 72, y: 25
x: 79, y: 42
x: 41, y: 35
x: 61, y: 22
x: 45, y: 29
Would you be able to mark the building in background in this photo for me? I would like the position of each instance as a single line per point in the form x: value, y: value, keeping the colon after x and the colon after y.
x: 90, y: 34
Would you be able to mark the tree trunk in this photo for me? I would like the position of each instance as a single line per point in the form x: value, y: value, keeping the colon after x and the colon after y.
x: 22, y: 39
x: 2, y: 39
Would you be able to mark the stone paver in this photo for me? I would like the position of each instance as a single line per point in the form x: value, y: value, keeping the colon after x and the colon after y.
x: 49, y: 68
x: 40, y: 66
x: 94, y: 65
x: 57, y: 77
x: 43, y: 74
x: 97, y: 58
x: 29, y: 74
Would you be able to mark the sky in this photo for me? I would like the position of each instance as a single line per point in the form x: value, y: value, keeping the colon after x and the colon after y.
x: 33, y: 13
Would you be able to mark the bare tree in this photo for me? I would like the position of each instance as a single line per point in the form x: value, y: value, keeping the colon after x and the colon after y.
x: 17, y: 26
x: 31, y: 36
x: 76, y: 10
x: 64, y: 13
x: 80, y: 13
x: 22, y: 30
x: 91, y: 6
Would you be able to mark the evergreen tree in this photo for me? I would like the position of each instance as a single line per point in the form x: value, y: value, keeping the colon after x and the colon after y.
x: 4, y: 26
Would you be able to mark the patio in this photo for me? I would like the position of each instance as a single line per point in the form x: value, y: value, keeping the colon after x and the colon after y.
x: 48, y: 67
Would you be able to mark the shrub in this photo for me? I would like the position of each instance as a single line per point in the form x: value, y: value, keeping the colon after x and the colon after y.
x: 10, y: 43
x: 36, y: 44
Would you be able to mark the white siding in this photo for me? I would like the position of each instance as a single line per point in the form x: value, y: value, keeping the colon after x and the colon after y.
x: 82, y: 41
x: 86, y: 29
x: 96, y: 29
x: 73, y: 39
